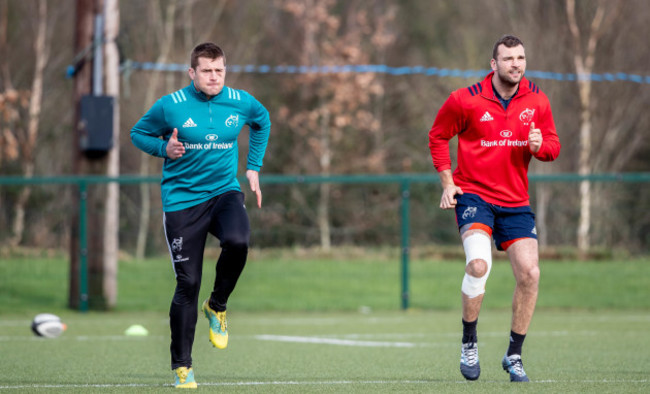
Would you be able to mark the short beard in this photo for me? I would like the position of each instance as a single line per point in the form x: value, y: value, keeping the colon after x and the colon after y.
x: 506, y: 81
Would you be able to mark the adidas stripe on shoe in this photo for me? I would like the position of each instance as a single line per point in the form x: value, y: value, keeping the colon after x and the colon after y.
x: 218, y: 326
x: 515, y: 367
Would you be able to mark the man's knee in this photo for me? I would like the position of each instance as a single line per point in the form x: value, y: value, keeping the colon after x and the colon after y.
x: 236, y: 242
x: 478, y: 252
x: 477, y: 268
x: 476, y: 275
x: 187, y: 289
x: 529, y: 277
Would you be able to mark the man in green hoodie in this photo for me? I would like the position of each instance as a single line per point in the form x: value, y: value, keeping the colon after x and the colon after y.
x: 195, y: 131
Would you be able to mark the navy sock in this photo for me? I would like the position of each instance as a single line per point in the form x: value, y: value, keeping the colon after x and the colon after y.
x: 516, y: 341
x: 469, y: 331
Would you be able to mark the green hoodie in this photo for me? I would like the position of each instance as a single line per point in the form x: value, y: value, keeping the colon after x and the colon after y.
x: 208, y: 128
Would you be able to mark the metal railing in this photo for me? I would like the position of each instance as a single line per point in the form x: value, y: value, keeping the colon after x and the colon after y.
x: 405, y: 181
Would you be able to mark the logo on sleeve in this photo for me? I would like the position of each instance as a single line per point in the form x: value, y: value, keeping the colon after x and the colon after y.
x: 486, y: 117
x: 189, y: 123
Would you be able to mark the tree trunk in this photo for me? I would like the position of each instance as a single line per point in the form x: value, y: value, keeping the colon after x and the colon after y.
x: 145, y: 210
x: 543, y: 196
x: 324, y: 200
x: 584, y: 66
x: 111, y: 222
x: 18, y: 226
x: 41, y: 54
x: 4, y: 52
x: 4, y: 76
x: 166, y: 39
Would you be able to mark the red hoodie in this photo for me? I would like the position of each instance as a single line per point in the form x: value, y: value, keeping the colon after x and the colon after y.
x: 493, y: 153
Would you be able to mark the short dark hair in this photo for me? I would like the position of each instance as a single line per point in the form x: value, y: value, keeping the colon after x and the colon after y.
x: 507, y: 40
x: 207, y: 50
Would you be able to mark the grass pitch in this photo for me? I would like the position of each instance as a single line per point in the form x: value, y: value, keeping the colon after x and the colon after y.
x: 303, y: 281
x: 351, y: 352
x: 310, y: 324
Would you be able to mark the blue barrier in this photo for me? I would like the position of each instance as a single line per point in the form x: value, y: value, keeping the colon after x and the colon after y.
x: 384, y: 69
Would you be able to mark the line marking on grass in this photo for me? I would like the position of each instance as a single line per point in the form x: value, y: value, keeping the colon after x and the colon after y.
x: 345, y: 339
x: 317, y: 320
x: 308, y: 383
x: 333, y: 341
x: 317, y: 383
x: 458, y: 333
x: 343, y: 382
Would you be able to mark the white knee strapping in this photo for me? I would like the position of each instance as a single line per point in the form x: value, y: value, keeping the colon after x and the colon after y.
x: 477, y: 246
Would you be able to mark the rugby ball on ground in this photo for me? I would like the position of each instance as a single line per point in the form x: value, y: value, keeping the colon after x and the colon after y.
x: 47, y: 325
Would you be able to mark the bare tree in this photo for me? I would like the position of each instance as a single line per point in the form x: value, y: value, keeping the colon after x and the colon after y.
x: 338, y: 122
x: 111, y: 222
x: 164, y: 29
x: 4, y: 55
x: 27, y: 139
x: 9, y: 98
x: 584, y: 60
x: 337, y: 103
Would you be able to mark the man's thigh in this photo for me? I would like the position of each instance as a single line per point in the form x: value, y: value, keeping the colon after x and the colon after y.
x: 186, y: 231
x: 472, y: 212
x: 229, y: 219
x: 513, y: 224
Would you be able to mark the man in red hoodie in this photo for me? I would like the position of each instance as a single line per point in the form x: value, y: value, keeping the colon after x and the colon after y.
x: 501, y: 122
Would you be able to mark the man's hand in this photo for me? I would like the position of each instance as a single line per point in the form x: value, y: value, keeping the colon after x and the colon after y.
x: 534, y: 138
x: 449, y: 190
x: 448, y: 200
x: 254, y: 182
x: 175, y: 148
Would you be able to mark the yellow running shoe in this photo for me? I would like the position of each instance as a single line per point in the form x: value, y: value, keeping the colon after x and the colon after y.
x: 184, y: 378
x: 218, y: 326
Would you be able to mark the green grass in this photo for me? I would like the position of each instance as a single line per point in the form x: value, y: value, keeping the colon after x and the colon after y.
x: 589, y: 333
x: 565, y: 352
x: 303, y: 281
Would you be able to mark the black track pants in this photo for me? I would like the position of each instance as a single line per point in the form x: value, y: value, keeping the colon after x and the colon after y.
x: 186, y: 231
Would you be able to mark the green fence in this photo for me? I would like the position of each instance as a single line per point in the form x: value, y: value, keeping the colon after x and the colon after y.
x: 404, y: 181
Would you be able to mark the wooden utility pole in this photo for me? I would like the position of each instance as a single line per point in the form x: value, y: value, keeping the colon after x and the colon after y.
x: 85, y: 11
x: 93, y: 245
